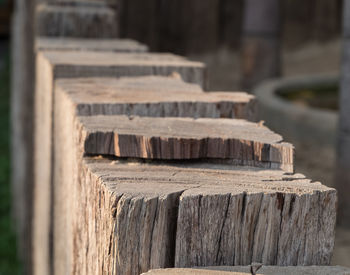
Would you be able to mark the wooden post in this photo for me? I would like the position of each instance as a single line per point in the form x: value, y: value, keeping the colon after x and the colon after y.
x: 22, y: 109
x: 52, y: 65
x: 153, y: 96
x: 134, y: 217
x: 343, y: 145
x: 261, y: 42
x: 131, y: 216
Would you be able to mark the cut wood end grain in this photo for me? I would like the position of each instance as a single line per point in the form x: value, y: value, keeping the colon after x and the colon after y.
x: 185, y: 138
x: 156, y: 96
x: 117, y: 59
x: 69, y: 64
x: 166, y: 214
x: 88, y: 44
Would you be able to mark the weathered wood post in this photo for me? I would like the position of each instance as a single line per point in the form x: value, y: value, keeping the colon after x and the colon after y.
x: 52, y: 65
x: 260, y: 55
x: 343, y: 145
x: 180, y: 207
x: 25, y: 28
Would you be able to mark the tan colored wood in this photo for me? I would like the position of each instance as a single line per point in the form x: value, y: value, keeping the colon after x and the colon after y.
x: 236, y: 141
x: 53, y: 65
x: 120, y: 217
x: 89, y: 97
x: 111, y: 64
x: 88, y: 44
x: 130, y: 217
x: 155, y: 96
x: 264, y: 270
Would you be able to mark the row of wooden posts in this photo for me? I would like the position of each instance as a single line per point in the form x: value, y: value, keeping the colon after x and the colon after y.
x: 136, y: 166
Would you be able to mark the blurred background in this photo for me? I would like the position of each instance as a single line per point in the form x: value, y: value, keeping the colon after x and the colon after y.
x: 287, y: 52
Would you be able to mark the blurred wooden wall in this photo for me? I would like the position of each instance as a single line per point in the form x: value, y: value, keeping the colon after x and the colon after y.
x: 188, y: 26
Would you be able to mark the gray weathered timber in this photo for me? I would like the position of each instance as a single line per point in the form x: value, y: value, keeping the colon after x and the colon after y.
x: 117, y: 217
x: 52, y: 65
x: 88, y: 44
x: 131, y: 217
x: 263, y: 270
x: 68, y: 64
x: 155, y: 96
x: 88, y: 97
x: 83, y: 20
x: 342, y: 181
x: 236, y: 141
x: 260, y: 42
x: 22, y: 85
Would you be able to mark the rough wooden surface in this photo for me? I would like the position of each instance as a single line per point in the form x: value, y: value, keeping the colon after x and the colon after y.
x: 115, y: 217
x: 264, y: 270
x: 109, y: 64
x: 155, y: 96
x: 238, y: 141
x: 130, y: 217
x: 85, y: 44
x: 72, y: 98
x: 57, y: 64
x: 90, y: 21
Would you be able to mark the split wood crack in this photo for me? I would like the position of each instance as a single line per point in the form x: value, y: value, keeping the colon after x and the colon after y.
x: 146, y: 170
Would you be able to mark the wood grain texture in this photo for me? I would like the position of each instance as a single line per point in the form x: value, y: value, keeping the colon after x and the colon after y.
x: 71, y: 99
x: 237, y: 141
x: 112, y: 64
x: 65, y: 157
x: 263, y: 270
x: 119, y: 217
x: 155, y: 96
x: 131, y: 217
x: 88, y: 44
x: 53, y: 65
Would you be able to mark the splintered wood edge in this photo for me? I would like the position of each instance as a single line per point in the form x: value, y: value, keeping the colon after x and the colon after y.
x: 199, y: 176
x: 101, y: 136
x: 124, y: 89
x: 156, y: 96
x: 301, y: 212
x: 113, y: 64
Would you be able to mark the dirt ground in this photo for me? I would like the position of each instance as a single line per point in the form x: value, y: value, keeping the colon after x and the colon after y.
x: 313, y: 58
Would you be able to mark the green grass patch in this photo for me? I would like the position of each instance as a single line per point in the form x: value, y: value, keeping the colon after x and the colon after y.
x: 323, y: 97
x: 9, y: 263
